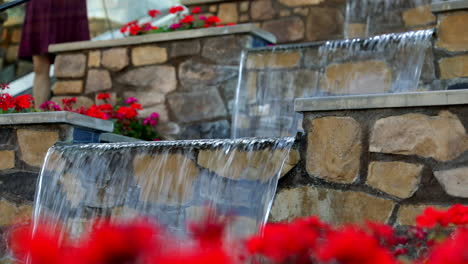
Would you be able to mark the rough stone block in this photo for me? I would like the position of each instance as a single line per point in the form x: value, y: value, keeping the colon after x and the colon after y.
x: 227, y: 12
x: 407, y: 213
x: 165, y: 179
x: 324, y: 23
x: 98, y: 81
x: 197, y: 106
x: 454, y: 181
x: 454, y: 67
x: 207, y: 130
x: 7, y: 159
x: 223, y: 50
x: 333, y: 206
x: 293, y: 159
x: 16, y: 35
x: 34, y: 145
x: 244, y: 6
x: 262, y: 10
x: 452, y: 32
x: 185, y: 48
x: 400, y: 179
x: 286, y: 29
x: 72, y: 188
x: 334, y: 149
x: 146, y: 98
x: 362, y: 77
x: 115, y: 59
x: 11, y: 54
x: 356, y: 30
x: 197, y: 75
x: 300, y: 2
x: 273, y: 60
x: 70, y: 66
x: 146, y: 55
x: 441, y: 137
x: 13, y: 214
x: 161, y: 78
x: 94, y: 58
x: 421, y: 15
x: 68, y: 87
x: 256, y: 165
x: 161, y: 109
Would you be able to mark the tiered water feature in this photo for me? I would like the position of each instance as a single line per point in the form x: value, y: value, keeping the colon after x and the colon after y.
x: 173, y: 182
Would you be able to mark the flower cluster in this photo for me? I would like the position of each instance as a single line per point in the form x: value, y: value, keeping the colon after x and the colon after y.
x: 126, y: 117
x: 18, y: 104
x: 192, y: 20
x: 303, y: 241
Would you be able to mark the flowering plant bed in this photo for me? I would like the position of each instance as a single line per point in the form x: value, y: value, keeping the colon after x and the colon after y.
x: 125, y: 116
x: 441, y: 237
x: 192, y: 20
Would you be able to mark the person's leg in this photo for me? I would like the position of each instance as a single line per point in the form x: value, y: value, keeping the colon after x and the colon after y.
x: 41, y: 89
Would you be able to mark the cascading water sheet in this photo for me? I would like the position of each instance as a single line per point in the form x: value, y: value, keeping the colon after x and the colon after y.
x: 367, y: 18
x: 170, y: 182
x: 270, y: 78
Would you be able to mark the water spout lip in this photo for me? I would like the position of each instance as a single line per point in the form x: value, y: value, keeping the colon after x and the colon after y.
x: 242, y: 143
x: 391, y: 38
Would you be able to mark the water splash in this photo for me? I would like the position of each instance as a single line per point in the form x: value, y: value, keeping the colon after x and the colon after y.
x: 171, y: 182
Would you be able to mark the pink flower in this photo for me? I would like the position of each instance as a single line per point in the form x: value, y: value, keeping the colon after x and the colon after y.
x: 175, y: 26
x: 131, y: 100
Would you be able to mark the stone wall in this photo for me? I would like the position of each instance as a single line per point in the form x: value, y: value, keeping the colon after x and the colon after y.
x: 294, y: 21
x: 383, y: 164
x: 451, y: 46
x: 190, y: 82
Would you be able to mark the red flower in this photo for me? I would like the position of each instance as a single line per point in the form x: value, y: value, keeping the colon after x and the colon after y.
x: 176, y: 9
x: 282, y: 241
x: 196, y: 10
x: 94, y: 111
x: 154, y: 13
x: 6, y: 102
x: 187, y: 20
x: 127, y: 26
x: 351, y: 245
x: 431, y: 217
x: 23, y: 102
x: 135, y: 30
x: 43, y: 247
x: 119, y: 244
x: 213, y: 20
x: 68, y: 102
x: 103, y: 96
x: 136, y: 106
x: 126, y: 112
x: 106, y: 107
x: 454, y: 250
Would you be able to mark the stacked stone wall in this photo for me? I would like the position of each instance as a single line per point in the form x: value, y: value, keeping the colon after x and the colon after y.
x: 451, y: 48
x: 378, y: 164
x: 190, y: 83
x: 295, y: 21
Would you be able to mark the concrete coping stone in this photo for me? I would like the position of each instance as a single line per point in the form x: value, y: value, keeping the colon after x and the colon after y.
x: 62, y: 117
x: 372, y: 101
x: 450, y: 5
x: 163, y: 37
